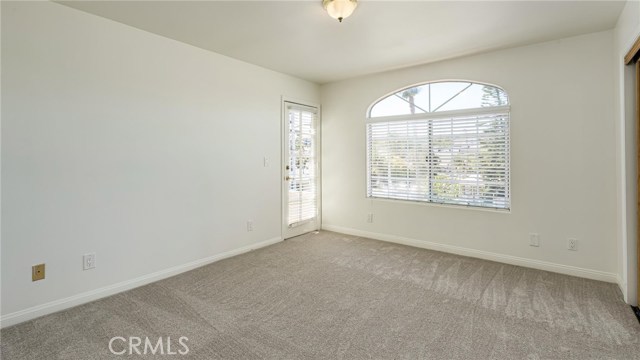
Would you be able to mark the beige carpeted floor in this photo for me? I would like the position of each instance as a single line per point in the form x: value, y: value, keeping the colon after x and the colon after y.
x: 332, y: 296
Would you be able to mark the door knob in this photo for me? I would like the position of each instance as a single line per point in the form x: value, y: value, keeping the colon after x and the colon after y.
x: 287, y: 178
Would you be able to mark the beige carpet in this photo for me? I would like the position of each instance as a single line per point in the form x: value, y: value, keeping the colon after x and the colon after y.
x: 332, y: 296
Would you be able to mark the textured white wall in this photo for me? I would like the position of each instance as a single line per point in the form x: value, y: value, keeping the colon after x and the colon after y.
x: 562, y: 158
x: 626, y: 32
x: 144, y: 150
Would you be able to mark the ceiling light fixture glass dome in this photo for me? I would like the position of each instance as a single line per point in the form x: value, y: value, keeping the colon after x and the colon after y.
x: 339, y: 9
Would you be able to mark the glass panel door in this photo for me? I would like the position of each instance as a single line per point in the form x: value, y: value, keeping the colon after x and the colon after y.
x: 300, y: 170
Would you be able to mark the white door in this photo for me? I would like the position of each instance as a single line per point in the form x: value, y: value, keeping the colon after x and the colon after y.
x: 301, y: 208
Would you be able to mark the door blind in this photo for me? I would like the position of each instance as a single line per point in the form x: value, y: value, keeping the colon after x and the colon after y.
x: 302, y: 165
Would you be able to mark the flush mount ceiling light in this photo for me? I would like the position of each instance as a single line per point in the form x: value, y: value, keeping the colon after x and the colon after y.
x: 339, y: 9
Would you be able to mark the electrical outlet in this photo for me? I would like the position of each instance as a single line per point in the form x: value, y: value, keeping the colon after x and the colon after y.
x: 266, y: 161
x: 37, y: 272
x: 249, y: 225
x: 572, y: 244
x: 369, y: 218
x: 534, y: 239
x: 88, y: 261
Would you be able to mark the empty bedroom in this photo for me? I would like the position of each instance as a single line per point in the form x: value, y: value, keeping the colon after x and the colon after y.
x: 319, y: 179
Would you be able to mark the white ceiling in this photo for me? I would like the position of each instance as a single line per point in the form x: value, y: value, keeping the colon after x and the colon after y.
x: 299, y: 38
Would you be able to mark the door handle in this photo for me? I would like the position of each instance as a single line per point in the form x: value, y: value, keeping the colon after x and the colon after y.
x: 287, y: 178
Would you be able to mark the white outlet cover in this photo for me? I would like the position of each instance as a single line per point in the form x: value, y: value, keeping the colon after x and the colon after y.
x: 89, y: 261
x: 534, y: 239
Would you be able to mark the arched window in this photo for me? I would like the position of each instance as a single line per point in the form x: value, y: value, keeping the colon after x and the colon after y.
x: 441, y: 142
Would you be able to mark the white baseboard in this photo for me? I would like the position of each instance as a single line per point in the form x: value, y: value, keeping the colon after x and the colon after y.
x: 622, y: 284
x: 83, y: 298
x: 486, y: 255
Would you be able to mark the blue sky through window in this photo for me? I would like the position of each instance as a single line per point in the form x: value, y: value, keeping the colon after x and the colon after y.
x: 439, y: 96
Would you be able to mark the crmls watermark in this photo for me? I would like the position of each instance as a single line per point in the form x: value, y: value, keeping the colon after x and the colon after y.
x: 119, y: 345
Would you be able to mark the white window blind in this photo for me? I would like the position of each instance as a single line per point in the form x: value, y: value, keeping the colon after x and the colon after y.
x: 302, y: 195
x: 454, y: 157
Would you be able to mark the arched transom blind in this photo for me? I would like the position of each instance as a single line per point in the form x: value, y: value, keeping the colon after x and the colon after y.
x: 442, y: 142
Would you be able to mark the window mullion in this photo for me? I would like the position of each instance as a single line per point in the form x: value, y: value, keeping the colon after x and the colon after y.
x: 430, y: 158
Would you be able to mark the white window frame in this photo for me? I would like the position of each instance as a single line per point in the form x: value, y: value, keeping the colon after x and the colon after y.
x: 504, y: 109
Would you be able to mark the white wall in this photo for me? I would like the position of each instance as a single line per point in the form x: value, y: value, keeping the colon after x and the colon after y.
x: 144, y: 150
x: 626, y: 32
x: 563, y: 160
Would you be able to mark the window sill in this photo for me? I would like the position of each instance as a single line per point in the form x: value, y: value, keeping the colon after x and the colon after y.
x: 450, y: 206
